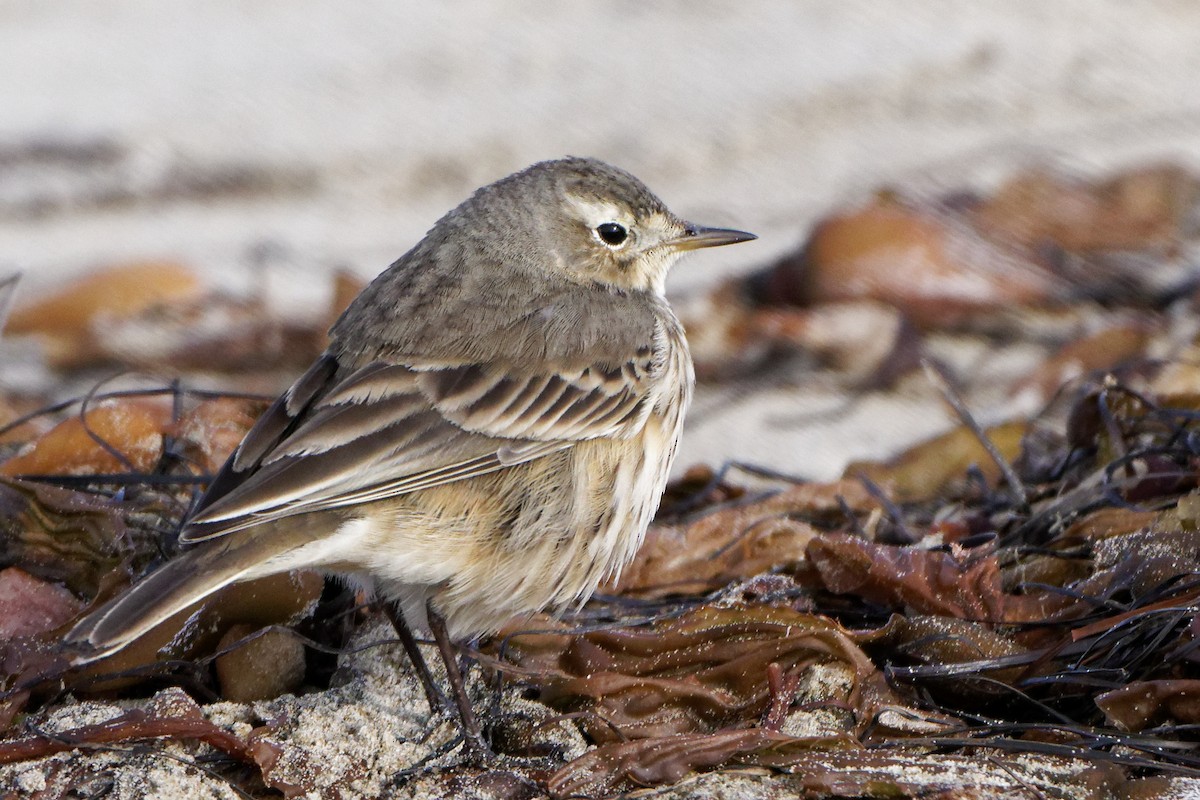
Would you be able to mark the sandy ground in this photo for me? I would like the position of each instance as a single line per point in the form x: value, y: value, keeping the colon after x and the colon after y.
x: 337, y: 133
x: 353, y: 127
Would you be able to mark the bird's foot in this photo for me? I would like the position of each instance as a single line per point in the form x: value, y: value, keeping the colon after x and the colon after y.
x: 478, y: 753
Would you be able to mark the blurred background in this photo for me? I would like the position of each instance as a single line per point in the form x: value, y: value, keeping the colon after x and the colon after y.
x: 267, y: 145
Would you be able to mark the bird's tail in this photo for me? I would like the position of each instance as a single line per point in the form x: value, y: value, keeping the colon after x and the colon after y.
x: 178, y: 584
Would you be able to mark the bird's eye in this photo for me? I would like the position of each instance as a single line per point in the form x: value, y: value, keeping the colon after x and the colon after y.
x: 611, y: 233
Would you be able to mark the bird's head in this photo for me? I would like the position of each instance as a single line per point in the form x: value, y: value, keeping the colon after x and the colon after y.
x: 591, y: 222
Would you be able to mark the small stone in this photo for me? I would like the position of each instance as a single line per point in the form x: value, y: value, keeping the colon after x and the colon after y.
x: 266, y: 667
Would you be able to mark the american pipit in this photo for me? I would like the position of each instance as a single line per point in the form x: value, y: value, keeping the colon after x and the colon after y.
x: 488, y: 434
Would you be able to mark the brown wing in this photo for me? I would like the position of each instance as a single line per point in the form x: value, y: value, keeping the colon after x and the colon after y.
x: 387, y: 429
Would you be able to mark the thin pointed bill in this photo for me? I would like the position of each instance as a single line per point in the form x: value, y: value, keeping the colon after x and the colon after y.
x: 697, y: 236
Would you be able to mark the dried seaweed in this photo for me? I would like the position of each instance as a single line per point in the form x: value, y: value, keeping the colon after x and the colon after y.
x: 174, y: 715
x: 1074, y: 616
x: 1030, y: 588
x: 1071, y: 615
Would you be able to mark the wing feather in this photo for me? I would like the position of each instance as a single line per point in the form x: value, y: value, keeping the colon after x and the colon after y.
x: 543, y: 407
x: 387, y: 429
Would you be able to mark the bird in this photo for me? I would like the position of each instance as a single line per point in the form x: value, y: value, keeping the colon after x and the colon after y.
x: 487, y: 435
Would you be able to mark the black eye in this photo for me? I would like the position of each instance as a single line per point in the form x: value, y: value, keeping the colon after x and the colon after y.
x: 612, y: 233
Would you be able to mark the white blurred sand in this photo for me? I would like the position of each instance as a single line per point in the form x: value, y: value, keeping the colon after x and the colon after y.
x: 755, y: 114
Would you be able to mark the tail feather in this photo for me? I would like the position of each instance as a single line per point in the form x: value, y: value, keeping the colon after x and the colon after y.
x: 308, y: 540
x: 178, y: 584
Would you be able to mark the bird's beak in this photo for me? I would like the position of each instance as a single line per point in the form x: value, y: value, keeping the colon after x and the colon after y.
x: 697, y: 236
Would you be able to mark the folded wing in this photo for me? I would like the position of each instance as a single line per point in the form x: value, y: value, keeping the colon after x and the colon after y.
x: 386, y: 429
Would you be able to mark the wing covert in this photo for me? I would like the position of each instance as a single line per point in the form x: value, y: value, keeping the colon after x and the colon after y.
x: 388, y: 429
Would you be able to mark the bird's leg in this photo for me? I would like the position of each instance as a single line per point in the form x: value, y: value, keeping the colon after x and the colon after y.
x: 433, y: 694
x: 472, y: 734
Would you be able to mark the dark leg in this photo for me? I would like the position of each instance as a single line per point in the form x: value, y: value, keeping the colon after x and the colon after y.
x: 472, y: 735
x: 437, y: 701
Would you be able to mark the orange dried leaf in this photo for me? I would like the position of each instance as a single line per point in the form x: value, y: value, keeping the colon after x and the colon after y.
x: 132, y: 427
x: 938, y: 273
x: 119, y: 291
x: 1102, y: 350
x: 924, y: 470
x: 212, y: 430
x: 1139, y: 209
x: 713, y: 551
